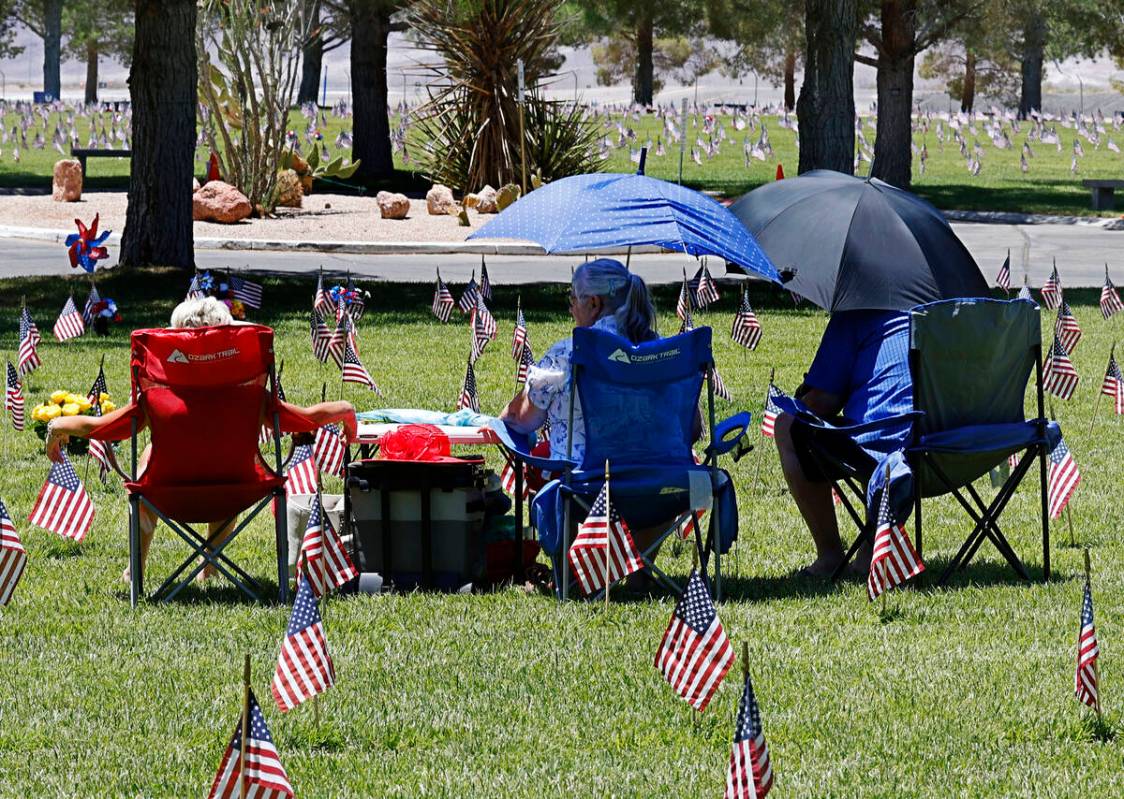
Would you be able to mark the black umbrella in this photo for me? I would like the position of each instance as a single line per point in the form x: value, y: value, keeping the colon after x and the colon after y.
x: 847, y: 244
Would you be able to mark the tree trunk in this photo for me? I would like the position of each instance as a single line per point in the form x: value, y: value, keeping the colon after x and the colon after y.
x: 790, y: 80
x: 370, y: 26
x: 312, y: 57
x: 826, y: 108
x: 642, y: 84
x: 893, y: 156
x: 968, y: 93
x: 52, y: 47
x: 1034, y: 45
x: 162, y: 89
x: 91, y: 72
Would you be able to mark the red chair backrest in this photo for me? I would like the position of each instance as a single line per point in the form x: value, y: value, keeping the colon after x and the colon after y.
x: 203, y: 391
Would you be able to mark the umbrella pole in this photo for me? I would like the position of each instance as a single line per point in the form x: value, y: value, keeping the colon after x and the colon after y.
x: 628, y: 257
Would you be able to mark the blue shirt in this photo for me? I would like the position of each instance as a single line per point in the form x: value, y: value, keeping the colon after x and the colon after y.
x: 864, y: 359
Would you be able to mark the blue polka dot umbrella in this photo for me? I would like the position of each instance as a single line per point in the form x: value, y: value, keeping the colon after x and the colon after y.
x: 585, y: 213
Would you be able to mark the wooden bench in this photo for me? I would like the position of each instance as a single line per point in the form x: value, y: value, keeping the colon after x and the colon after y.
x: 1103, y: 191
x: 82, y: 153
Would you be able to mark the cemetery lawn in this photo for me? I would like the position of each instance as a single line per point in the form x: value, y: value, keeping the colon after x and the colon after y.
x: 965, y: 691
x: 1048, y: 187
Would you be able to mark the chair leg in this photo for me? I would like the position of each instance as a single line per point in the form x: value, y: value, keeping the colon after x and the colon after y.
x: 281, y: 530
x: 564, y: 552
x: 136, y: 584
x: 716, y: 542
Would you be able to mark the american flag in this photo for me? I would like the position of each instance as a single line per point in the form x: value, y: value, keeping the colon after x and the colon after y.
x: 507, y: 479
x: 320, y: 336
x: 69, y: 324
x: 194, y: 288
x: 719, y: 384
x: 13, y: 398
x: 1085, y: 682
x: 304, y: 666
x: 340, y: 338
x: 747, y: 329
x: 1113, y: 384
x: 1069, y: 332
x: 63, y: 506
x: 526, y: 361
x: 247, y: 291
x: 894, y: 559
x: 483, y: 327
x: 355, y: 372
x: 324, y: 561
x: 1110, y: 300
x: 27, y: 359
x: 707, y: 291
x: 468, y: 299
x: 1003, y: 279
x: 695, y: 653
x: 321, y: 300
x: 300, y: 478
x: 603, y: 543
x: 683, y: 304
x: 519, y: 336
x: 485, y: 282
x: 751, y: 773
x: 769, y: 417
x: 1062, y: 477
x: 98, y: 450
x: 1024, y: 293
x: 329, y: 450
x: 265, y: 776
x: 442, y: 300
x: 1060, y: 377
x: 688, y: 323
x: 1052, y: 290
x: 468, y: 398
x: 13, y: 557
x: 88, y: 310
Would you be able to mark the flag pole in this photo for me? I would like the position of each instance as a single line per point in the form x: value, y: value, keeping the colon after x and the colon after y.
x: 245, y: 727
x: 608, y: 532
x: 1096, y: 663
x: 1097, y: 399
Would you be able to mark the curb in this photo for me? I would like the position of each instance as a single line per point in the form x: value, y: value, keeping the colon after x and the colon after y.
x: 1015, y: 218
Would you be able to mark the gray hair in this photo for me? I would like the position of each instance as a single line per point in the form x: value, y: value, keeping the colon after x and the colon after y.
x: 626, y: 296
x: 204, y: 312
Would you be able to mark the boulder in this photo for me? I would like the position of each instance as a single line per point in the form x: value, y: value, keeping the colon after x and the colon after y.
x: 439, y: 201
x: 393, y: 206
x: 290, y: 194
x: 507, y: 194
x: 195, y: 185
x: 471, y: 200
x: 219, y: 202
x: 486, y: 201
x: 67, y: 183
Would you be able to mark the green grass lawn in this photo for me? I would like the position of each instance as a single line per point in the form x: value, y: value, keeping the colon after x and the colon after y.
x: 965, y: 691
x: 1048, y: 187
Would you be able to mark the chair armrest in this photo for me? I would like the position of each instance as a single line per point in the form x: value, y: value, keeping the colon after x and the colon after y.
x: 519, y: 445
x: 721, y: 440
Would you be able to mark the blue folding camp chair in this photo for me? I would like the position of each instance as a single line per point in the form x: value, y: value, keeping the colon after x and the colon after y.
x: 639, y: 405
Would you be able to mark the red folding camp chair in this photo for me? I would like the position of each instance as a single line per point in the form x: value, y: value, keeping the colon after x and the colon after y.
x: 205, y: 393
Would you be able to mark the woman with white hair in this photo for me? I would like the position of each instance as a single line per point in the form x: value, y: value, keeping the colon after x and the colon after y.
x: 606, y: 296
x: 205, y: 312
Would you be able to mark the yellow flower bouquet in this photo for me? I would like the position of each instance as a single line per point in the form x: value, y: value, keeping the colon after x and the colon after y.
x: 67, y: 403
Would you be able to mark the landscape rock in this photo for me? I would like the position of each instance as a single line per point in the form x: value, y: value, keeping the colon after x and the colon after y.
x: 471, y: 200
x: 507, y: 194
x: 290, y: 193
x: 195, y: 185
x: 486, y: 201
x: 67, y: 183
x: 219, y: 202
x: 439, y: 201
x: 393, y: 206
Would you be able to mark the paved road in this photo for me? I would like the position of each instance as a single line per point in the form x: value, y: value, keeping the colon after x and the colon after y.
x: 1081, y: 250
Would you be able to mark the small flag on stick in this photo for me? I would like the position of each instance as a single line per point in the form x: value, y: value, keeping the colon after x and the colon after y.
x: 1113, y: 384
x: 1003, y: 279
x: 1062, y: 478
x: 1059, y: 375
x: 1110, y: 300
x: 27, y: 359
x: 1086, y: 683
x: 1052, y: 289
x: 603, y: 547
x: 747, y: 329
x: 13, y: 557
x: 751, y: 773
x: 13, y: 398
x: 63, y: 506
x: 468, y: 398
x: 324, y: 560
x: 894, y: 559
x: 769, y: 417
x: 442, y: 300
x: 304, y: 666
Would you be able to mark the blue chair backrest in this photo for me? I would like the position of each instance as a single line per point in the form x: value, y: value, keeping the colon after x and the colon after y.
x: 639, y: 401
x: 970, y: 360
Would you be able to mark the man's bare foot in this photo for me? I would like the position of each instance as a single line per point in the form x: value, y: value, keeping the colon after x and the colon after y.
x: 821, y: 568
x: 204, y: 575
x: 126, y: 576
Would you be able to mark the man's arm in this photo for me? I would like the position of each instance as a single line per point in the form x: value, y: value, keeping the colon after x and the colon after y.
x: 328, y: 413
x: 822, y: 403
x: 523, y: 415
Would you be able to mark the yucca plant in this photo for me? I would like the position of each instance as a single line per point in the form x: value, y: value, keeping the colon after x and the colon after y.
x: 467, y: 134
